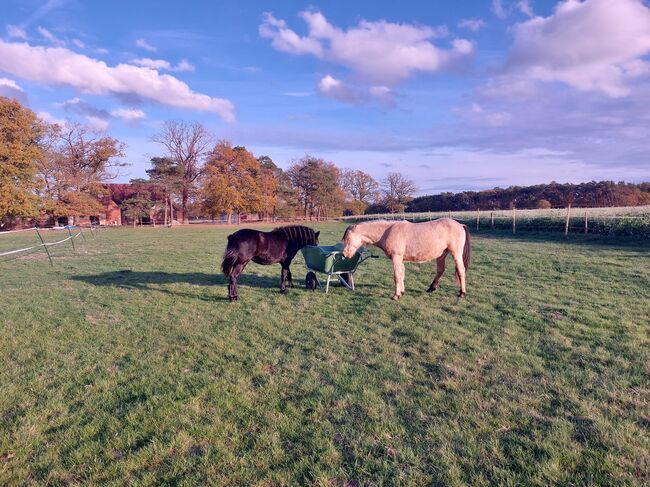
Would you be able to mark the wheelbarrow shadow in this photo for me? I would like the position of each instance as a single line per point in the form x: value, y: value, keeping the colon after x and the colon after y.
x: 156, y: 280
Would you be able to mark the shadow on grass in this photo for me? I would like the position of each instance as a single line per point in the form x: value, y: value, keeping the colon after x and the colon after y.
x: 148, y: 281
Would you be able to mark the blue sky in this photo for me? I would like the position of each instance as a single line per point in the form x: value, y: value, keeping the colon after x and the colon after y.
x: 456, y: 95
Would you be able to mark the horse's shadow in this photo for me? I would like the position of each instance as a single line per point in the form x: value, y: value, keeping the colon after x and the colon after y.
x: 156, y: 281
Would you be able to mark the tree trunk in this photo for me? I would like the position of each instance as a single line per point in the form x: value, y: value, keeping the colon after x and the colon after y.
x: 165, y: 217
x: 184, y: 205
x: 229, y: 218
x: 171, y: 211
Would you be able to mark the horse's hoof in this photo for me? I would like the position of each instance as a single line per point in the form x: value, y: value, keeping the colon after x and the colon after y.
x: 431, y: 289
x: 395, y: 297
x: 233, y: 298
x: 283, y: 291
x: 461, y: 294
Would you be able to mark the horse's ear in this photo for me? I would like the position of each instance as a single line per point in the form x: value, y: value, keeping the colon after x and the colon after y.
x: 317, y: 234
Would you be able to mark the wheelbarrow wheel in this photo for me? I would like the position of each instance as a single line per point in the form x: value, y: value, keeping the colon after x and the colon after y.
x: 311, y: 281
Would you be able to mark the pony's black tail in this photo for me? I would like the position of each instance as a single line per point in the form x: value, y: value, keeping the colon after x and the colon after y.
x: 467, y: 250
x: 229, y: 258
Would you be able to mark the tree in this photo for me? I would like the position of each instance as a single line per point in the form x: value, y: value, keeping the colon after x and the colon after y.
x: 235, y: 182
x: 75, y: 165
x: 186, y: 144
x: 167, y: 175
x: 21, y: 133
x: 140, y: 204
x: 285, y: 194
x: 361, y: 187
x: 318, y: 185
x: 398, y: 191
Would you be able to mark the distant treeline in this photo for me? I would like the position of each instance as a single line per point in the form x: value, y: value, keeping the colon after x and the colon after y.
x: 553, y: 195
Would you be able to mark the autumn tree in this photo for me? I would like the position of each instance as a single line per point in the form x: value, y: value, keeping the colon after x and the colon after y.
x: 361, y: 188
x: 285, y: 193
x: 167, y: 175
x: 186, y: 144
x: 73, y: 169
x: 318, y: 185
x: 21, y: 133
x: 397, y: 191
x: 235, y: 182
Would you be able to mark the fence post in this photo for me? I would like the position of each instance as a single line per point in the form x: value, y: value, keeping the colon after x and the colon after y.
x: 514, y: 219
x: 492, y: 219
x: 477, y: 217
x: 72, y: 240
x: 568, y: 218
x: 449, y: 213
x: 46, y: 249
x: 586, y: 225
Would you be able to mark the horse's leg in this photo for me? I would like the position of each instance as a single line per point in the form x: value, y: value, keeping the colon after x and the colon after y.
x: 289, y: 277
x: 398, y: 275
x: 233, y: 294
x: 284, y: 278
x: 440, y: 263
x: 460, y: 270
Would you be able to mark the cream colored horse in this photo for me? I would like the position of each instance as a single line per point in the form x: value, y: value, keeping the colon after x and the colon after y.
x: 403, y: 241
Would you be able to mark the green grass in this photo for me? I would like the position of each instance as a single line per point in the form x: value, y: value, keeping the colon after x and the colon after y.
x: 125, y: 364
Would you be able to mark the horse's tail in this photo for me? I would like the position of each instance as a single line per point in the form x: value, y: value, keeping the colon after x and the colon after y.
x: 467, y: 250
x: 467, y: 253
x: 230, y: 257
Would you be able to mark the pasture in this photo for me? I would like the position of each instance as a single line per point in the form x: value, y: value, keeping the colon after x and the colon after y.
x: 126, y: 364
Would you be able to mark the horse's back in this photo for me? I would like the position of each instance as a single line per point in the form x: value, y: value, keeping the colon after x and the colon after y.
x: 424, y: 241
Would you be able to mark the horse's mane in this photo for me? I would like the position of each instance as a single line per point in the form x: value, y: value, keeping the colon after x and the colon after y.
x: 299, y: 233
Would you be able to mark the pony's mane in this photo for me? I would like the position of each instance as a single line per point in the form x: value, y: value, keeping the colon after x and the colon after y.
x: 299, y: 233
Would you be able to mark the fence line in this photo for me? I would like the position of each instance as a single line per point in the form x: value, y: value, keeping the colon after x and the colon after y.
x: 47, y: 245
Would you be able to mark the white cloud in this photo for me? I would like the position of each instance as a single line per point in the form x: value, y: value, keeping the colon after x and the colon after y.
x: 101, y: 50
x: 525, y: 7
x: 591, y: 45
x: 380, y: 52
x: 128, y: 114
x: 60, y: 66
x: 10, y: 89
x: 14, y: 31
x: 49, y: 118
x: 498, y: 9
x: 152, y: 63
x: 97, y: 123
x: 284, y: 39
x: 79, y: 43
x: 472, y: 24
x: 184, y: 65
x: 48, y: 36
x: 334, y: 88
x: 161, y: 64
x: 9, y: 83
x: 142, y: 44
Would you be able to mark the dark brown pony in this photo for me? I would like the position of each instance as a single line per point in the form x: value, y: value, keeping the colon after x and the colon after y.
x: 278, y: 246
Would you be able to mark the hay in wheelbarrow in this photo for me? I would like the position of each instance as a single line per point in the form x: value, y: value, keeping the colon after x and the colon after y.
x: 329, y: 260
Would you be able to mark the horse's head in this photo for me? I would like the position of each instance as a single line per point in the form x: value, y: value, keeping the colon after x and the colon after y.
x: 352, y: 241
x: 314, y: 240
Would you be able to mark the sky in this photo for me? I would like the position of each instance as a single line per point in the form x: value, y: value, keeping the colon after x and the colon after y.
x: 462, y: 95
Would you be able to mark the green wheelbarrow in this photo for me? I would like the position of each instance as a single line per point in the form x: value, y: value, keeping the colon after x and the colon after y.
x: 329, y: 260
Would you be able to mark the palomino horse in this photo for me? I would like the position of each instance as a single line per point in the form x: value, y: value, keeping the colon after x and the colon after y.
x: 278, y: 246
x: 403, y: 241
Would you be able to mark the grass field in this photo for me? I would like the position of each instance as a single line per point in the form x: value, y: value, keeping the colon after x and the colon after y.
x: 125, y: 364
